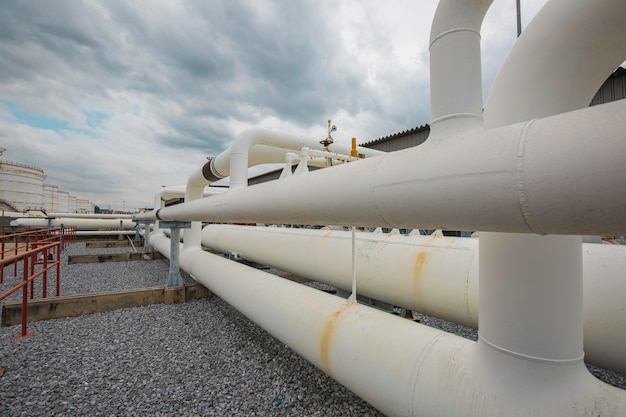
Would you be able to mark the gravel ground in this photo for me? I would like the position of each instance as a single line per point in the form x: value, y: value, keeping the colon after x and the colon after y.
x: 198, y: 358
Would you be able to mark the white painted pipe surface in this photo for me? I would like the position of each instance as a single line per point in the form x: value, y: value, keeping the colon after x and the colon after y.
x: 531, y: 177
x: 104, y: 232
x: 456, y: 90
x: 559, y: 62
x: 435, y: 275
x: 402, y: 368
x: 80, y: 224
x: 91, y: 215
x: 514, y: 266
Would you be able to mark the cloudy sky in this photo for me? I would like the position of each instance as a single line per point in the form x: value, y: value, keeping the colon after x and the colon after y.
x: 114, y: 98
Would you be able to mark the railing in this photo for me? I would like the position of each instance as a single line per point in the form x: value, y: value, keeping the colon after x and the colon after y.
x: 39, y: 251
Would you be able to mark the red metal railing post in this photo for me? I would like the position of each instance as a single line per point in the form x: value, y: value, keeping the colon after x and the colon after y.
x: 33, y: 259
x: 17, y: 243
x: 2, y: 269
x: 44, y: 284
x: 58, y: 269
x: 24, y: 303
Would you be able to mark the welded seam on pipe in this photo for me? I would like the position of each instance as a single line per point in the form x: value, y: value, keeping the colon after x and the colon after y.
x: 455, y: 116
x: 530, y: 358
x: 467, y: 294
x: 373, y: 192
x: 451, y: 31
x: 426, y: 353
x: 522, y: 194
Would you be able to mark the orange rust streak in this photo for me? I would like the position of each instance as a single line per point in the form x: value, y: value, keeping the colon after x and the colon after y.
x: 420, y: 260
x: 327, y: 336
x: 327, y: 234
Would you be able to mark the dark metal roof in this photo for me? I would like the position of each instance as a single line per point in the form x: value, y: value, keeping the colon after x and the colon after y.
x: 398, y: 135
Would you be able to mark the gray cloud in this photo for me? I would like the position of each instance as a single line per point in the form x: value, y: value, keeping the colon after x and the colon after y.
x: 171, y: 82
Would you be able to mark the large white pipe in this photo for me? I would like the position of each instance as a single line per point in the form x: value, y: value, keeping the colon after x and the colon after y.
x: 435, y: 275
x: 529, y: 177
x: 514, y: 266
x: 105, y: 232
x: 456, y: 95
x: 80, y: 224
x: 90, y: 215
x: 401, y: 368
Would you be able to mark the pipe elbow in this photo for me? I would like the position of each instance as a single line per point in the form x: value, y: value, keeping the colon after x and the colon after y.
x: 453, y: 15
x: 248, y: 138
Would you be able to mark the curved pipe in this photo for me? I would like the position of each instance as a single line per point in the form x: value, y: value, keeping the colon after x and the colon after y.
x: 559, y: 62
x: 456, y: 101
x: 531, y: 177
x: 435, y: 275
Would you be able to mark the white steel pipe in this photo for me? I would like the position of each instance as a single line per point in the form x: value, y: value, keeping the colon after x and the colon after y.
x: 548, y: 267
x: 529, y: 177
x: 80, y: 224
x: 456, y: 94
x: 424, y: 371
x: 435, y: 275
x: 90, y: 215
x: 531, y: 302
x: 104, y: 232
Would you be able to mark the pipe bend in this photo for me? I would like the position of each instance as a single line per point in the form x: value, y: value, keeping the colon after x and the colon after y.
x: 452, y: 15
x: 540, y: 78
x: 454, y: 30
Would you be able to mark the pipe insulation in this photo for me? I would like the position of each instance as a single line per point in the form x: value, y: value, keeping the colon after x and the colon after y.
x: 435, y: 275
x: 542, y: 176
x: 423, y: 371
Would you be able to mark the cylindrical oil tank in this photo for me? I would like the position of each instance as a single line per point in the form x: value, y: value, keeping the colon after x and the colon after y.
x: 71, y: 204
x: 83, y: 206
x: 21, y: 186
x: 63, y: 201
x: 50, y: 198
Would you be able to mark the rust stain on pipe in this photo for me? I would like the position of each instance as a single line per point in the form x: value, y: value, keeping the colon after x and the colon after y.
x: 327, y: 338
x: 418, y: 267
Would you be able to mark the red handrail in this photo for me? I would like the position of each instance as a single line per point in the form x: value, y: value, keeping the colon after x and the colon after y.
x: 44, y: 250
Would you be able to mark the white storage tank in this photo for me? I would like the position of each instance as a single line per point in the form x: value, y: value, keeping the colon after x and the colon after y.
x: 50, y: 198
x: 63, y: 201
x: 71, y: 204
x: 21, y: 186
x: 83, y: 206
